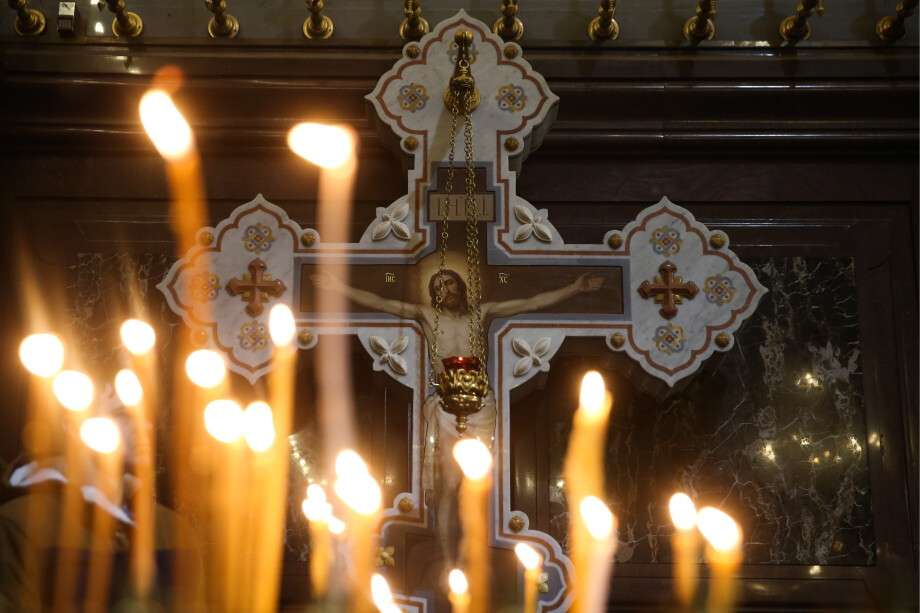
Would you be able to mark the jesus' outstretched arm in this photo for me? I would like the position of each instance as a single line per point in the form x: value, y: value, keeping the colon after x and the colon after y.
x: 585, y: 283
x: 404, y: 310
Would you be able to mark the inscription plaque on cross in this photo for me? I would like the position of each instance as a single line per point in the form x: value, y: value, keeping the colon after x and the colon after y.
x: 255, y: 286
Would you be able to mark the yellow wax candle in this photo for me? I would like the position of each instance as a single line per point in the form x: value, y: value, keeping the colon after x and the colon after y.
x: 685, y: 545
x: 318, y: 511
x: 459, y: 591
x: 724, y: 556
x: 533, y: 566
x: 361, y: 493
x: 476, y: 463
x: 584, y: 469
x: 600, y: 525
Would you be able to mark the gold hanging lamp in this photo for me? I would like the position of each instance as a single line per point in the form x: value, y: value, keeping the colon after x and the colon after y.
x: 463, y: 382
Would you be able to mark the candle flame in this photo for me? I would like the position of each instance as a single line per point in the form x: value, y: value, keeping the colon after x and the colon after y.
x: 528, y: 556
x: 223, y: 419
x: 137, y: 336
x: 258, y: 426
x: 336, y: 526
x: 457, y: 582
x: 128, y: 387
x: 597, y: 518
x: 165, y: 125
x: 593, y: 396
x: 683, y: 511
x: 380, y: 592
x: 73, y: 389
x: 281, y: 325
x: 719, y: 529
x: 205, y: 368
x: 100, y: 434
x: 42, y: 354
x: 473, y: 457
x: 325, y: 146
x: 315, y: 506
x: 354, y: 484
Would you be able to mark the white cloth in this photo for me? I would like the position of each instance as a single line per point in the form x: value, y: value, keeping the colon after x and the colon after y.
x: 441, y: 434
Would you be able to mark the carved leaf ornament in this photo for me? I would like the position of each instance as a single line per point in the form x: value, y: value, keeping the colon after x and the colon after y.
x: 530, y: 357
x: 389, y: 355
x: 532, y: 224
x: 392, y: 222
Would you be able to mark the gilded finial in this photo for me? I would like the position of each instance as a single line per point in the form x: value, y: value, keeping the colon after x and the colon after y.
x: 509, y: 26
x: 317, y: 25
x: 414, y: 26
x: 891, y: 28
x: 604, y: 26
x: 29, y: 21
x: 701, y: 26
x: 462, y: 89
x: 126, y: 23
x: 222, y: 24
x: 796, y: 27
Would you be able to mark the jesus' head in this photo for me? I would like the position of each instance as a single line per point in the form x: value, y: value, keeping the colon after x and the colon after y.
x: 448, y: 287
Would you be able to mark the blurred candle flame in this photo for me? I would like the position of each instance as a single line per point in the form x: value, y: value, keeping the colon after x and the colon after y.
x: 137, y: 336
x: 73, y: 389
x: 593, y: 394
x: 42, y: 354
x: 457, y: 582
x: 100, y: 434
x: 597, y: 518
x: 528, y: 556
x: 315, y: 506
x: 165, y: 125
x: 354, y: 484
x: 683, y: 511
x: 259, y: 426
x: 336, y: 526
x: 380, y: 592
x: 223, y: 419
x: 128, y: 387
x: 719, y: 529
x: 205, y: 368
x: 473, y: 457
x: 325, y: 146
x: 281, y: 325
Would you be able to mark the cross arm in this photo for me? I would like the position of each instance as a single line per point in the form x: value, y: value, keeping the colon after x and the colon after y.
x: 585, y: 283
x: 404, y: 310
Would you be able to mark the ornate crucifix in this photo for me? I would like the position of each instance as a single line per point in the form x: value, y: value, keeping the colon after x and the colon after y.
x: 537, y: 290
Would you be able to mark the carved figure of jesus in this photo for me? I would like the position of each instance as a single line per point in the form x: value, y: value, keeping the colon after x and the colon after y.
x: 441, y: 475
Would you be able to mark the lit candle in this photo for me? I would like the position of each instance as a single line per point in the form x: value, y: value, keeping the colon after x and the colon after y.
x: 42, y: 354
x: 360, y: 492
x: 533, y: 566
x: 382, y: 596
x: 584, y: 470
x: 318, y: 511
x: 685, y: 544
x: 332, y: 148
x: 459, y: 591
x: 139, y: 338
x: 723, y: 554
x: 476, y: 463
x: 600, y: 525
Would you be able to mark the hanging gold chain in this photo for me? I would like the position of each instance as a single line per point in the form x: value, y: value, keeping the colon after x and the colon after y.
x: 474, y: 284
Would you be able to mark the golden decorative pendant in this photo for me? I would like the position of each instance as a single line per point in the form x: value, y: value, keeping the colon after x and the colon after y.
x: 462, y: 387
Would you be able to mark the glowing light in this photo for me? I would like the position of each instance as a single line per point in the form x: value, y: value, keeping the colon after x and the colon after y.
x: 380, y: 592
x: 719, y: 529
x: 326, y: 146
x: 597, y: 518
x: 683, y: 511
x: 457, y: 582
x: 165, y: 125
x: 223, y: 419
x: 315, y: 506
x: 137, y: 336
x: 336, y: 526
x: 281, y: 325
x: 592, y: 398
x: 258, y: 426
x: 128, y: 387
x: 560, y: 483
x: 528, y: 556
x: 768, y: 452
x: 42, y: 354
x: 100, y: 434
x: 99, y: 28
x: 205, y: 368
x: 814, y: 570
x: 354, y: 485
x: 473, y: 457
x: 73, y: 389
